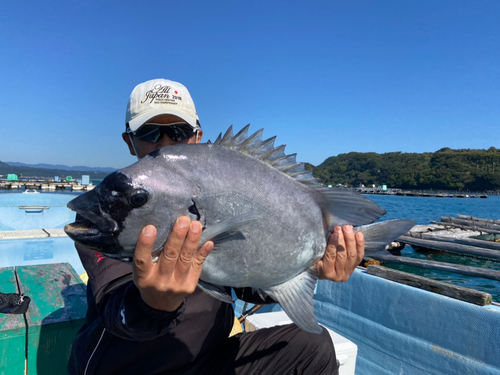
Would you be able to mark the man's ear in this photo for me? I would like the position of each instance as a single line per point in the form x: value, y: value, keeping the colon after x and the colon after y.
x: 198, y: 136
x: 126, y: 139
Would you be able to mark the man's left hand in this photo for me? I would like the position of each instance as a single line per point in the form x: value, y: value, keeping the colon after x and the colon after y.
x: 344, y: 252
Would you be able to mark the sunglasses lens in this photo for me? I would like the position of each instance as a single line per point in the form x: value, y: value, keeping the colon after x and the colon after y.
x: 149, y: 133
x: 153, y: 133
x: 179, y: 132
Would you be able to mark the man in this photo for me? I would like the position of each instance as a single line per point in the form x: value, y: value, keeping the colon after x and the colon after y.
x: 149, y: 318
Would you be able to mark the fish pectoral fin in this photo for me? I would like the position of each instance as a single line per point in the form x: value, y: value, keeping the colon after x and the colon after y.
x: 227, y: 229
x: 296, y: 298
x: 216, y: 291
x: 378, y: 235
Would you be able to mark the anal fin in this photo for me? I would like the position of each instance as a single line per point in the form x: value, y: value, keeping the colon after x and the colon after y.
x: 296, y: 297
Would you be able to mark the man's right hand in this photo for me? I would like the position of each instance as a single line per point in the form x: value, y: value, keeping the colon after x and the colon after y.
x: 164, y: 285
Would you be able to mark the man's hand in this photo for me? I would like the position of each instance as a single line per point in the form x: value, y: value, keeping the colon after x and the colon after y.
x: 164, y: 285
x: 344, y: 252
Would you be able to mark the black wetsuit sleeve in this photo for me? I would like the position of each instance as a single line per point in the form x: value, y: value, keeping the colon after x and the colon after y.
x: 114, y: 299
x: 124, y: 314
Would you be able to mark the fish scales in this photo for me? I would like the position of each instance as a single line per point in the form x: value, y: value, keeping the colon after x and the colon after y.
x: 231, y: 183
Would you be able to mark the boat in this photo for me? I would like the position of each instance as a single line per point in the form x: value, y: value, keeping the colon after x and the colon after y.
x: 38, y: 260
x: 31, y: 229
x: 394, y: 328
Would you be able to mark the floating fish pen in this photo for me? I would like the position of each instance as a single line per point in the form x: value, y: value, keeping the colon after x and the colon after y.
x: 440, y: 195
x: 45, y: 185
x: 414, y: 193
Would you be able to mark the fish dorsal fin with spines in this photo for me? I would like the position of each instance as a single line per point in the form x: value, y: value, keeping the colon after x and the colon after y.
x: 226, y: 140
x: 340, y: 206
x: 254, y: 146
x: 239, y: 138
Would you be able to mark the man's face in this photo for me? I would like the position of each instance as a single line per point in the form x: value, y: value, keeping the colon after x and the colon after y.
x: 143, y: 147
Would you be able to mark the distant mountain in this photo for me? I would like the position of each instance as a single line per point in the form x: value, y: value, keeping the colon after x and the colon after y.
x: 61, y: 167
x: 22, y: 171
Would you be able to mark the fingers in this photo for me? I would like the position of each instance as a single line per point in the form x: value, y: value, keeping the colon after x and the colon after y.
x: 341, y: 258
x: 351, y: 249
x: 164, y: 285
x: 142, y: 254
x: 181, y: 250
x: 202, y: 254
x: 360, y: 247
x: 190, y: 245
x: 344, y: 252
x: 355, y: 249
x: 175, y: 242
x: 176, y: 238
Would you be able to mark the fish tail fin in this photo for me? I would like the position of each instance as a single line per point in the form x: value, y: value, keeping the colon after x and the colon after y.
x: 378, y: 235
x: 296, y: 297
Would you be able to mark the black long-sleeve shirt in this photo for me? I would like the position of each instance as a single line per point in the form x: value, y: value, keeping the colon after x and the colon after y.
x: 123, y: 335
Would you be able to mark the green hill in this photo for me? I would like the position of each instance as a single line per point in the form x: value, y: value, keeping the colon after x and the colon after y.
x: 446, y: 169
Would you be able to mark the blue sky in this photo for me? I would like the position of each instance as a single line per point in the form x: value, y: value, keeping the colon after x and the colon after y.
x: 326, y: 77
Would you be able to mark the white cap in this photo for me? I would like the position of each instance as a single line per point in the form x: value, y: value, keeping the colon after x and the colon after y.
x: 160, y: 97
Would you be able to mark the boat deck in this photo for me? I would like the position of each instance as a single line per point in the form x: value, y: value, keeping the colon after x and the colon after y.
x: 38, y: 246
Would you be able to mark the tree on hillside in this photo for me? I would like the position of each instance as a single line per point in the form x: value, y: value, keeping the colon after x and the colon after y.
x: 445, y: 169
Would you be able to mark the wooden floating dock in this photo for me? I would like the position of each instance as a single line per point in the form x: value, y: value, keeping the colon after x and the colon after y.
x: 44, y: 185
x: 460, y: 236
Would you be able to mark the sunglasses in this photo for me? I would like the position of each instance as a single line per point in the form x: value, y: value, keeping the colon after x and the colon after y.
x: 151, y: 132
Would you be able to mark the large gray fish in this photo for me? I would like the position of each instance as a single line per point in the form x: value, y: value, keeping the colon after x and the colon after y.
x: 268, y: 217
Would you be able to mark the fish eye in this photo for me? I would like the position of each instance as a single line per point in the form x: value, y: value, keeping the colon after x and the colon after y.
x: 138, y: 198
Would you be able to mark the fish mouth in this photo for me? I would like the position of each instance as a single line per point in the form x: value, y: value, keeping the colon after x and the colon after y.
x: 93, y: 228
x: 89, y: 208
x: 86, y: 233
x: 83, y: 228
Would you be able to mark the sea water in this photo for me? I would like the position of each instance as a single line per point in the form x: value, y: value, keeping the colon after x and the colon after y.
x: 426, y: 209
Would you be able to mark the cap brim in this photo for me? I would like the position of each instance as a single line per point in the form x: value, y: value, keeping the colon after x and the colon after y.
x: 138, y: 121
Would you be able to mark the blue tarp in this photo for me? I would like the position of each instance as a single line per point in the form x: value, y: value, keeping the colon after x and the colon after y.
x: 404, y: 330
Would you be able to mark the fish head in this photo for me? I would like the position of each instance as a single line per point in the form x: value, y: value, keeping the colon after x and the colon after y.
x: 113, y: 214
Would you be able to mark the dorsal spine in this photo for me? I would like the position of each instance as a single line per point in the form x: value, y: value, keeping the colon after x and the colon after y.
x: 254, y: 146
